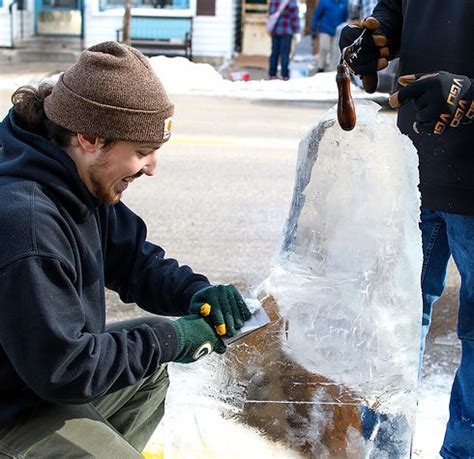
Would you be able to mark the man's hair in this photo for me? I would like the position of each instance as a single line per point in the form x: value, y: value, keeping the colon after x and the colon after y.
x: 28, y: 103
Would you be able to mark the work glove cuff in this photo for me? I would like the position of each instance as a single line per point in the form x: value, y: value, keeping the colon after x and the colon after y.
x: 195, y: 339
x: 179, y: 333
x: 193, y: 289
x: 168, y: 340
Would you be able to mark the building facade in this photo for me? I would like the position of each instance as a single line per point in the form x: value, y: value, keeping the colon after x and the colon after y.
x: 215, y: 23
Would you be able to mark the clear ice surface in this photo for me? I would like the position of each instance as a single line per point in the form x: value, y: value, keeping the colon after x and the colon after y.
x: 335, y: 373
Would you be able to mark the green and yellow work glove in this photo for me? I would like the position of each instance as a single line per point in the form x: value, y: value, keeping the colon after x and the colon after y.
x: 196, y: 338
x: 223, y: 306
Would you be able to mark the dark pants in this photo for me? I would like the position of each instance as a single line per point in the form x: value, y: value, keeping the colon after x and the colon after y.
x: 445, y: 235
x: 281, y: 45
x: 117, y: 425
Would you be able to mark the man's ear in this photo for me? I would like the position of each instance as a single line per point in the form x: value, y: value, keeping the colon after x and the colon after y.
x: 88, y: 143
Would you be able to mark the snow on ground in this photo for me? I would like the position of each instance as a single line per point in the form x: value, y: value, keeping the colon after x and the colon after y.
x: 12, y: 82
x: 241, y: 442
x: 432, y: 416
x: 181, y: 76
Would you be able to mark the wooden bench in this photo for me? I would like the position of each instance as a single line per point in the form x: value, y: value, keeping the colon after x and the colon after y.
x: 169, y: 35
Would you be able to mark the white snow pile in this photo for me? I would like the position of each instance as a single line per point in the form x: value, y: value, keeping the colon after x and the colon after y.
x: 180, y: 76
x: 9, y: 82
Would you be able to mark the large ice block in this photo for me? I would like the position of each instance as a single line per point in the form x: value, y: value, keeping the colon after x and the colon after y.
x: 335, y: 373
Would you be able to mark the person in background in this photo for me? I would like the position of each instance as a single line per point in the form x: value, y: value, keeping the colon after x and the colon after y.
x: 434, y: 41
x: 327, y: 16
x: 70, y: 385
x: 286, y: 26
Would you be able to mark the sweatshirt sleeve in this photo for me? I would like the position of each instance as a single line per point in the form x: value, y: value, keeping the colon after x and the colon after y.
x: 139, y: 271
x: 390, y: 15
x: 42, y: 334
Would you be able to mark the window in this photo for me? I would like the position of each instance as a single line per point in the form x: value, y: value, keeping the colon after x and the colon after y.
x: 158, y: 4
x: 67, y: 4
x: 206, y: 8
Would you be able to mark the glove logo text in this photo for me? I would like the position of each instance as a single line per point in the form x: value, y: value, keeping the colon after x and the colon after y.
x: 202, y: 350
x: 454, y: 91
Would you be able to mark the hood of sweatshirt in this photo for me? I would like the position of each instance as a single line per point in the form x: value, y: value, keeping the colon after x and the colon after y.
x: 31, y: 157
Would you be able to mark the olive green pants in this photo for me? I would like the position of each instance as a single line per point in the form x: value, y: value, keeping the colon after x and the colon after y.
x: 115, y: 426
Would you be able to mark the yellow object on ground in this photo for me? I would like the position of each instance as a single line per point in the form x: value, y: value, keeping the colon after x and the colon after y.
x: 149, y: 455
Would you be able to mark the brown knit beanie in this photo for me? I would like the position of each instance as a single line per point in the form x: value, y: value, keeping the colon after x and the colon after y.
x: 111, y: 92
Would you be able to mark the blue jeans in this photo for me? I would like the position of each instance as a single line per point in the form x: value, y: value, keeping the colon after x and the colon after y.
x: 281, y: 45
x: 444, y: 235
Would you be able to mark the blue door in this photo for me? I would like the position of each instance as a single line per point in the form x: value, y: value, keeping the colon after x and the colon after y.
x: 59, y: 17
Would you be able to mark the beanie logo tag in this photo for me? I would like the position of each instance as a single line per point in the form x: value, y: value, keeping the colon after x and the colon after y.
x: 167, y: 128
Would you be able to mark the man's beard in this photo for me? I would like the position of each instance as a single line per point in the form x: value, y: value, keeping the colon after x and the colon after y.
x: 101, y: 191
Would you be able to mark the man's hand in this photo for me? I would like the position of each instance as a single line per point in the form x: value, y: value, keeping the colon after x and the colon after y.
x: 223, y: 306
x: 441, y: 100
x: 374, y: 53
x: 196, y: 338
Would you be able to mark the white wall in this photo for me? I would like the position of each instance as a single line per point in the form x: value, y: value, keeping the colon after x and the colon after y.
x: 102, y: 25
x: 5, y: 26
x: 23, y: 26
x: 214, y: 35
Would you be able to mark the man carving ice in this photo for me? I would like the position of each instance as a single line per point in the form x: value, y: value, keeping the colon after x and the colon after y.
x: 70, y: 386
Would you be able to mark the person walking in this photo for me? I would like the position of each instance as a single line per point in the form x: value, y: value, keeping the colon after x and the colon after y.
x: 436, y: 111
x: 70, y: 385
x: 327, y: 16
x: 286, y: 25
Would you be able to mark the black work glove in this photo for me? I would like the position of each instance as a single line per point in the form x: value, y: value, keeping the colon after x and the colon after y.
x: 223, y: 306
x: 196, y: 338
x: 441, y: 100
x: 374, y: 53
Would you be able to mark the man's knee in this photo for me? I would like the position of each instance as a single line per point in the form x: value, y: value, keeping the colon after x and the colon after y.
x: 64, y: 431
x: 159, y: 379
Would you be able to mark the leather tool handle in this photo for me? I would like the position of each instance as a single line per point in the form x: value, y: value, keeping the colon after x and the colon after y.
x: 346, y: 114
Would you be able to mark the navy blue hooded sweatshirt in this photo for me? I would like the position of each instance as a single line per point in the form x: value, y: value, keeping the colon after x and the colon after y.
x: 59, y: 248
x: 430, y: 36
